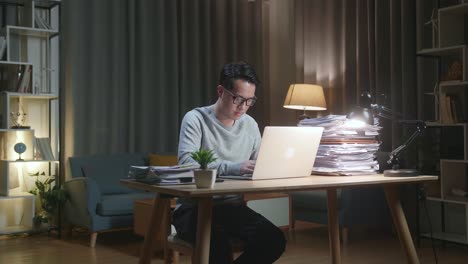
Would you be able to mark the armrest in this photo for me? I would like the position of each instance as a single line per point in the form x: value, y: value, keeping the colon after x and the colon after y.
x: 84, y: 197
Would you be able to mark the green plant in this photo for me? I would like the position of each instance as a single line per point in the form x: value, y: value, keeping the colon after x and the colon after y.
x: 203, y: 157
x: 50, y: 196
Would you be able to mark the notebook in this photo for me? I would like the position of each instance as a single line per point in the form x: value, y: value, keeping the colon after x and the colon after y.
x: 285, y: 152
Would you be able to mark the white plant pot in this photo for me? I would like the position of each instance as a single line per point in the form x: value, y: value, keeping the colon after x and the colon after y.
x: 204, y: 178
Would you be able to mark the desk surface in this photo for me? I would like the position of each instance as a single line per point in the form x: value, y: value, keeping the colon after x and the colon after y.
x: 275, y: 185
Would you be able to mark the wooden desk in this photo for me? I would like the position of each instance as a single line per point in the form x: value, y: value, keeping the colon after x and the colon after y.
x: 330, y: 184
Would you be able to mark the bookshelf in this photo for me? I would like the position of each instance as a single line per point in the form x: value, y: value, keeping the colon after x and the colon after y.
x: 29, y: 107
x: 442, y: 85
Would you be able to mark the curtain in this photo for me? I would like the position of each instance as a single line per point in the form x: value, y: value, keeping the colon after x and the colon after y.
x: 132, y: 69
x: 355, y: 46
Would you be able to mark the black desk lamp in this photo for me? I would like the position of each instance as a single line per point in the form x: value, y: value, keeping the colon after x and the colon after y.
x: 367, y: 114
x: 395, y: 154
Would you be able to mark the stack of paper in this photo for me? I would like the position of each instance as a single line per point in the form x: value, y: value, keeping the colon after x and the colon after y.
x: 162, y: 175
x: 346, y: 148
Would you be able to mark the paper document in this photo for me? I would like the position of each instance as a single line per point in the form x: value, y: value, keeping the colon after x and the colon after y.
x: 163, y: 174
x: 345, y: 149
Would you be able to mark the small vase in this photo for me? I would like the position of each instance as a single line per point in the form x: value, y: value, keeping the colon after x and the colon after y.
x: 204, y: 178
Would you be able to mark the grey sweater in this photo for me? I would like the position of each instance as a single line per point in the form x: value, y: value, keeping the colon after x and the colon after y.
x: 201, y: 129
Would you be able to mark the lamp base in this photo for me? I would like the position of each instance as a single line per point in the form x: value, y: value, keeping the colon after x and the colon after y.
x: 401, y: 173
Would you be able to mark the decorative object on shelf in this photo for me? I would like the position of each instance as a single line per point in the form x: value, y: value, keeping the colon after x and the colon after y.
x: 454, y: 72
x: 434, y: 22
x: 18, y: 119
x: 305, y: 97
x: 20, y: 148
x: 204, y: 177
x: 8, y: 139
x: 51, y: 198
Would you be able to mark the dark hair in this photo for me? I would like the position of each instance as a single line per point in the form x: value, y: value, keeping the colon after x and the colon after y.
x: 237, y: 70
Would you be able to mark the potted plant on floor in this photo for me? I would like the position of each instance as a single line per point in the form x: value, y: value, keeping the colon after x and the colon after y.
x: 51, y: 197
x: 204, y: 177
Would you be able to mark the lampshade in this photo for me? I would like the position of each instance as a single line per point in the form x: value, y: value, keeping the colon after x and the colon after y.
x: 305, y: 97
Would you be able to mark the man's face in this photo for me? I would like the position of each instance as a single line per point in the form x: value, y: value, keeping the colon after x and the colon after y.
x: 234, y: 103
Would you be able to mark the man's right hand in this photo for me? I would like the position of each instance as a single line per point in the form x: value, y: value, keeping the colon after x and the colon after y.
x: 247, y: 167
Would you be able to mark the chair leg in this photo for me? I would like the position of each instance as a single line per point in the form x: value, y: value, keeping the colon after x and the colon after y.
x: 344, y: 235
x: 171, y: 256
x: 176, y: 257
x: 92, y: 242
x: 68, y: 230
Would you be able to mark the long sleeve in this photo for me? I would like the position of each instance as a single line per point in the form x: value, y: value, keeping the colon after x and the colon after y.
x: 201, y: 130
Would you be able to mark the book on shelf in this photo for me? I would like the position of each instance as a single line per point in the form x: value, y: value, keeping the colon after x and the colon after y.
x: 43, y: 149
x: 451, y: 109
x: 25, y: 80
x: 2, y: 46
x: 40, y: 21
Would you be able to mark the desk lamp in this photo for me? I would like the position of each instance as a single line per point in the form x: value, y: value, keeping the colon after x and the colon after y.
x: 368, y: 113
x: 305, y: 97
x: 362, y: 111
x: 395, y: 154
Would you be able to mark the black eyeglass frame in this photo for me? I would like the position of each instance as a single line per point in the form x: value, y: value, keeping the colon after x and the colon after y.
x: 240, y: 99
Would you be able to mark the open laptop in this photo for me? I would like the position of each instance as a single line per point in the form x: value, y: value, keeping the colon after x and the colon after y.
x: 285, y: 152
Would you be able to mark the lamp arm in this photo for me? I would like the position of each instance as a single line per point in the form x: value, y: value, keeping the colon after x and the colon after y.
x: 385, y: 112
x: 395, y: 154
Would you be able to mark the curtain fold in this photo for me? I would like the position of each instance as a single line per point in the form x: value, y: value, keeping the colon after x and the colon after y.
x: 354, y: 46
x: 131, y: 69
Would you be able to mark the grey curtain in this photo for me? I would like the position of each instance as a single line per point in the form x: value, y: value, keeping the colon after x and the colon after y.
x: 354, y: 46
x: 131, y: 69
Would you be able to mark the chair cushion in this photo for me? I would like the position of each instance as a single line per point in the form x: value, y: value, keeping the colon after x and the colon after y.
x: 107, y: 170
x: 119, y: 204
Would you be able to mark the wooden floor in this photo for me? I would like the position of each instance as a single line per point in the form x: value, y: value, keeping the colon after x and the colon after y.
x: 308, y: 244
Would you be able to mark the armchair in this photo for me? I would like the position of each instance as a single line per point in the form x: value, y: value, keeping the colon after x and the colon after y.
x: 97, y: 200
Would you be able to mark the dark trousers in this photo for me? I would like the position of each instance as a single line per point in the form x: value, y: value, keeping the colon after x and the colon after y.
x: 264, y: 242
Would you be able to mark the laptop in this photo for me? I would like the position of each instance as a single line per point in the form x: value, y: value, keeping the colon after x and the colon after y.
x: 285, y: 152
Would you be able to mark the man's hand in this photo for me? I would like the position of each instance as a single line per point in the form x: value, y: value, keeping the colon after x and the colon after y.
x: 247, y: 167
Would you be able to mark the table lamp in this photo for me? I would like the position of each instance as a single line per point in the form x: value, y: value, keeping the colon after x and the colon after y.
x: 305, y: 97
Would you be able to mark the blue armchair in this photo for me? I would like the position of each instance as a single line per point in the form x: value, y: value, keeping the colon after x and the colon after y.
x: 97, y: 200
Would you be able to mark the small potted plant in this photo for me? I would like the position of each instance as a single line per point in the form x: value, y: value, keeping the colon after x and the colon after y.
x: 204, y: 177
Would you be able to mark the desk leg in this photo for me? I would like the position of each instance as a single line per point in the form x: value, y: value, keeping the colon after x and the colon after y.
x: 333, y: 227
x: 401, y: 226
x: 157, y: 218
x: 202, y: 245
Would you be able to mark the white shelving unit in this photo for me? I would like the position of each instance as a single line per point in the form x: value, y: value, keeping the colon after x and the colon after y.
x: 444, y: 101
x: 20, y: 208
x: 29, y: 45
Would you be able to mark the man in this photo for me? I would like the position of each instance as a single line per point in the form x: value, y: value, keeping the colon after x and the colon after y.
x: 235, y: 138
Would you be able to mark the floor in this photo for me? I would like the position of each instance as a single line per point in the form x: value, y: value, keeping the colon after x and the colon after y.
x: 308, y: 244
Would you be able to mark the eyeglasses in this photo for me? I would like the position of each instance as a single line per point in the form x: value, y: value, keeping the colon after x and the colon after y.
x: 239, y: 100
